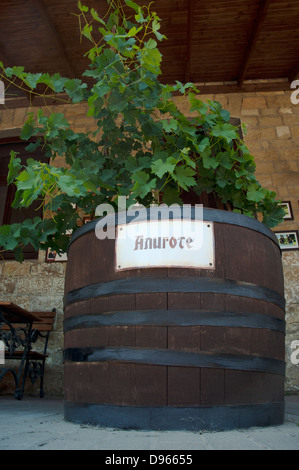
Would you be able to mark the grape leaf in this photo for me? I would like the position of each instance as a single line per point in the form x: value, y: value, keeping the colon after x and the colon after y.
x: 160, y: 167
x: 184, y: 176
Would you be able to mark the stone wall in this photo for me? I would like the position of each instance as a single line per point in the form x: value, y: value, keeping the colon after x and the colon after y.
x: 37, y: 284
x: 273, y: 138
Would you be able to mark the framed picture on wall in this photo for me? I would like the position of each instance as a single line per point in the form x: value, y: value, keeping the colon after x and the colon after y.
x: 52, y: 256
x: 288, y: 239
x: 288, y: 210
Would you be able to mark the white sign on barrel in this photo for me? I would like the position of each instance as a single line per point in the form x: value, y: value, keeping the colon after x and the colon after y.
x: 165, y: 243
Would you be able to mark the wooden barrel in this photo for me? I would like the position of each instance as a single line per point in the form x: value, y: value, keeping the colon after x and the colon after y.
x: 177, y: 348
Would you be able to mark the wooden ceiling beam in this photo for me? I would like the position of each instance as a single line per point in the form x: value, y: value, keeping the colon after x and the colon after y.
x: 203, y: 89
x: 189, y: 39
x: 294, y: 73
x: 258, y: 24
x: 14, y: 88
x: 54, y: 37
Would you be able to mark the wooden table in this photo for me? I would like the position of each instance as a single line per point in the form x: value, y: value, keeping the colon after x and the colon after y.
x: 15, y: 333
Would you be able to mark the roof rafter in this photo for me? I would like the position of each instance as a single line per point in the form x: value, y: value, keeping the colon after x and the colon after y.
x: 53, y: 34
x: 189, y: 40
x: 14, y: 88
x: 258, y: 23
x: 294, y: 73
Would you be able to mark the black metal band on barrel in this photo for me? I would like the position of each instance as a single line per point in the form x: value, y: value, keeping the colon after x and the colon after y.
x: 165, y: 357
x: 183, y: 284
x: 188, y: 317
x: 207, y: 418
x: 160, y: 213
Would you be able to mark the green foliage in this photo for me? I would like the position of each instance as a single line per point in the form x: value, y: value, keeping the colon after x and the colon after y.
x: 143, y: 146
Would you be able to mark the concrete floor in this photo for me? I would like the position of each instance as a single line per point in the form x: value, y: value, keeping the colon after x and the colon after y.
x: 37, y: 424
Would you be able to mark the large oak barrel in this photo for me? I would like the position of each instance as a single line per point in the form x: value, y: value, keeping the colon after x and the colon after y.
x: 176, y: 348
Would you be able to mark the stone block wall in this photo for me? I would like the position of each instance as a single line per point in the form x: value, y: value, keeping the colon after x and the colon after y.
x: 37, y: 284
x: 272, y: 137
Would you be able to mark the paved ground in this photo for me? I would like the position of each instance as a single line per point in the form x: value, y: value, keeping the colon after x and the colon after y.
x: 37, y: 424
